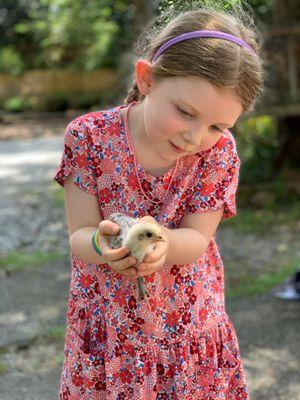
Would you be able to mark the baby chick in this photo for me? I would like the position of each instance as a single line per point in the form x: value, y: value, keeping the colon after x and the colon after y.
x: 139, y: 237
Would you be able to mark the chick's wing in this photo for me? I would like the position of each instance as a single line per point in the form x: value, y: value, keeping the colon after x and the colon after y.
x: 125, y: 223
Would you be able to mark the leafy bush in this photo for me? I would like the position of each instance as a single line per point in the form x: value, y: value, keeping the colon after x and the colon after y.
x: 63, y: 33
x: 14, y: 104
x: 257, y: 143
x: 10, y: 61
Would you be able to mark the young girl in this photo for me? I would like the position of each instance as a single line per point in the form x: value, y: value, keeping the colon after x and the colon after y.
x: 167, y: 156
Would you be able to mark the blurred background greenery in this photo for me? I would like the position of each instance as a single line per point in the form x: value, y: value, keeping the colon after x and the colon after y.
x: 57, y: 55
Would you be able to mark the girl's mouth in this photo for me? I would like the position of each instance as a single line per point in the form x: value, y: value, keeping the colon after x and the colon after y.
x: 177, y: 149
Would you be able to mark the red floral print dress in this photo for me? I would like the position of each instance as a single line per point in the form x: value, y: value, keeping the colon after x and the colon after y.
x: 182, y: 346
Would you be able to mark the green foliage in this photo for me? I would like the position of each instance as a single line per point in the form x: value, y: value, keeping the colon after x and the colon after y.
x: 80, y: 34
x: 261, y: 8
x: 65, y: 33
x: 184, y: 5
x: 168, y: 9
x: 14, y: 104
x: 72, y: 31
x: 10, y: 61
x: 257, y: 143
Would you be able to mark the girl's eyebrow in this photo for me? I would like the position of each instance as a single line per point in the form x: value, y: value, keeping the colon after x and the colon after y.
x: 226, y: 126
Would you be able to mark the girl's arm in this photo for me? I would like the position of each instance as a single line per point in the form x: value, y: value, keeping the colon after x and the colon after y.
x: 189, y: 242
x: 83, y: 218
x: 185, y: 244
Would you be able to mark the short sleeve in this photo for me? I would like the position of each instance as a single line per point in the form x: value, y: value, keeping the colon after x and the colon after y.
x: 76, y: 158
x: 217, y: 180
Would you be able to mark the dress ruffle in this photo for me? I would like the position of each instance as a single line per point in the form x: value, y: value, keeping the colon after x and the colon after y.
x: 198, y: 366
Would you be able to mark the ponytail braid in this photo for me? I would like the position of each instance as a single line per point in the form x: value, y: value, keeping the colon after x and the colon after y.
x: 133, y: 94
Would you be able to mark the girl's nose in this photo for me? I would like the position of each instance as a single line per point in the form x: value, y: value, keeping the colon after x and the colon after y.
x: 193, y: 138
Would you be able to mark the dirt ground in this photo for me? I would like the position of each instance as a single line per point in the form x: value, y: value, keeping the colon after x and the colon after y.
x: 33, y: 298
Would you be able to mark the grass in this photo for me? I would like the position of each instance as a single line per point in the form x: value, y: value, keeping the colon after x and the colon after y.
x: 251, y: 285
x: 17, y: 261
x: 59, y: 359
x: 54, y: 194
x: 57, y: 196
x: 260, y: 221
x: 57, y: 333
x: 3, y: 368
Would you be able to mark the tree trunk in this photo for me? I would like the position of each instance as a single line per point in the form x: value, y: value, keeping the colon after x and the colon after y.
x: 289, y: 137
x: 286, y: 11
x: 143, y: 14
x: 286, y: 14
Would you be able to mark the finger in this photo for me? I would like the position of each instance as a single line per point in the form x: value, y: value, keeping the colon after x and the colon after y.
x: 107, y: 227
x: 123, y: 265
x: 156, y: 254
x: 108, y: 252
x: 114, y: 254
x: 129, y: 272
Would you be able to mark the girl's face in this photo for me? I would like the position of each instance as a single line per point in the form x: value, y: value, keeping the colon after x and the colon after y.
x: 185, y: 115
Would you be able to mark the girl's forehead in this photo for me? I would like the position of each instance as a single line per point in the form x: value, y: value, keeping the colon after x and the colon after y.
x: 192, y: 85
x: 200, y: 95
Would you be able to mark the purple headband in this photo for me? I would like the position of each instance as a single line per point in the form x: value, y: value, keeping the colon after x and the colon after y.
x: 201, y: 34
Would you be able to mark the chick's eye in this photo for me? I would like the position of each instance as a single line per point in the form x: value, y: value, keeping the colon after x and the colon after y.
x: 149, y: 234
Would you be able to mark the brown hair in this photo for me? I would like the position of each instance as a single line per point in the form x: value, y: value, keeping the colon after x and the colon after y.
x: 224, y: 64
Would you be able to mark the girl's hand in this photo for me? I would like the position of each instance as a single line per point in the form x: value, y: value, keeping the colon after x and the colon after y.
x: 117, y: 259
x: 155, y: 260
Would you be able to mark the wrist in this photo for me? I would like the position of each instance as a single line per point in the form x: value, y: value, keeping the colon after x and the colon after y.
x: 95, y: 242
x: 82, y: 247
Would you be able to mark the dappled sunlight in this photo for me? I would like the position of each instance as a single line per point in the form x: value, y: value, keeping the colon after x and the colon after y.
x: 64, y: 276
x: 265, y: 369
x: 21, y: 160
x: 13, y: 318
x: 48, y: 312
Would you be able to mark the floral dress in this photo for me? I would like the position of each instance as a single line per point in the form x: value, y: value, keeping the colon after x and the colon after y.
x: 182, y: 345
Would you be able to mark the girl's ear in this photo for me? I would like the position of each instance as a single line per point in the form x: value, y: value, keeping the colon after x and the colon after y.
x: 143, y: 76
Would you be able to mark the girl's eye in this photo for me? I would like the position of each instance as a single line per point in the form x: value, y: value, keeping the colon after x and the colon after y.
x: 184, y: 113
x: 216, y: 129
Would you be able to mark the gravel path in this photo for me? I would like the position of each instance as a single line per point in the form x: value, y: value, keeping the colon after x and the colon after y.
x: 27, y: 217
x: 33, y: 299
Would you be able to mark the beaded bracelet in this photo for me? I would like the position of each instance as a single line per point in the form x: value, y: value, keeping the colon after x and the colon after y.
x: 96, y: 243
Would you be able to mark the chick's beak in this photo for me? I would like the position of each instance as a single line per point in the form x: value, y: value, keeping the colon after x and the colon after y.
x: 159, y: 239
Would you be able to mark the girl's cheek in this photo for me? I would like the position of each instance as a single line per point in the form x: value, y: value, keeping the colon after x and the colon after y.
x: 170, y: 126
x: 208, y: 142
